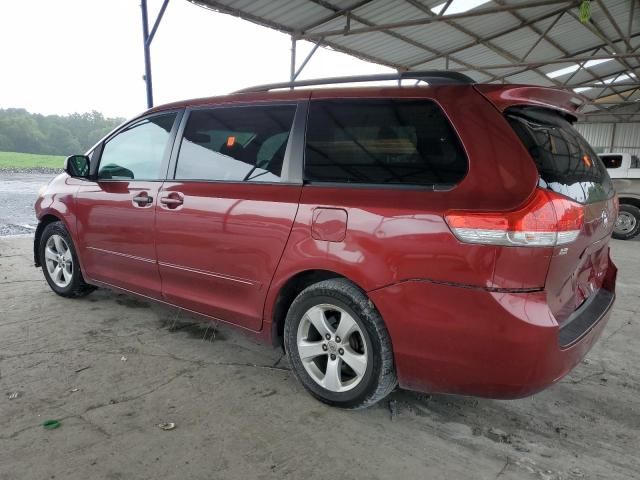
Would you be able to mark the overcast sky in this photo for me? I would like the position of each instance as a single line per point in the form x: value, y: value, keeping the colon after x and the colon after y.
x: 68, y: 56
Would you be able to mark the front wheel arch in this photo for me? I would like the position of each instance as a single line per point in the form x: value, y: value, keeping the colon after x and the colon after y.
x: 44, y: 221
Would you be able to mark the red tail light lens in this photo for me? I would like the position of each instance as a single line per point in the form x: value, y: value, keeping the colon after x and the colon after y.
x: 548, y: 219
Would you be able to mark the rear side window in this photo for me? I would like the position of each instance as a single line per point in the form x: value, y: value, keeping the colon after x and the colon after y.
x: 566, y: 163
x: 635, y: 162
x: 235, y: 144
x: 387, y: 142
x: 611, y: 161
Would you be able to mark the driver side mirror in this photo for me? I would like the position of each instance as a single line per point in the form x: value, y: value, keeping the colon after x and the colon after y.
x: 77, y: 166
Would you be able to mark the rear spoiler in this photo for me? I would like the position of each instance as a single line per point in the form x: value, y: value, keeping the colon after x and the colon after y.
x: 505, y: 96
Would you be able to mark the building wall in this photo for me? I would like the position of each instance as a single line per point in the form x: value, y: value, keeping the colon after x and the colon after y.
x: 612, y: 137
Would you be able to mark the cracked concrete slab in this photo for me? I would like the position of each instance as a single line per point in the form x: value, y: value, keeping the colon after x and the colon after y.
x: 240, y: 413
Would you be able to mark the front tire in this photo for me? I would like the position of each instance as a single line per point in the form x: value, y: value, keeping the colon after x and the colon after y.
x: 60, y: 263
x: 628, y: 222
x: 338, y: 345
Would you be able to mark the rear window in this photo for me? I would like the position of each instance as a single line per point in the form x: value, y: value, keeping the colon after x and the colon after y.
x: 388, y: 142
x: 566, y: 163
x: 611, y: 161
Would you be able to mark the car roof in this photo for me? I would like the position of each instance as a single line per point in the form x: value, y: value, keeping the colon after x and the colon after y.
x: 503, y: 96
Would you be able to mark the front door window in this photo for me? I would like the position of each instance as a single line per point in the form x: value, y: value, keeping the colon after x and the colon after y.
x: 137, y: 152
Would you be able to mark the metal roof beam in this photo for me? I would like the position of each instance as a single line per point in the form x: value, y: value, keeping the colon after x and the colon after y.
x: 629, y: 26
x: 615, y: 25
x: 156, y: 24
x: 609, y: 86
x: 496, y: 35
x: 304, y: 62
x: 597, y: 31
x: 599, y: 85
x: 443, y: 10
x: 460, y: 28
x: 617, y: 103
x: 396, y: 35
x: 542, y: 36
x: 553, y: 61
x: 568, y: 58
x: 334, y: 15
x: 486, y: 43
x: 536, y: 30
x: 552, y: 42
x: 581, y: 66
x: 428, y: 20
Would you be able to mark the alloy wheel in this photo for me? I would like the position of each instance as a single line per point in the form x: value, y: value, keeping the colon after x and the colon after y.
x: 59, y: 260
x: 625, y: 223
x: 332, y: 348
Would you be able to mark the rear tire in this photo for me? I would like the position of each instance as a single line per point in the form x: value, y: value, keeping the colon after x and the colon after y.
x: 628, y: 222
x: 353, y: 371
x: 60, y: 263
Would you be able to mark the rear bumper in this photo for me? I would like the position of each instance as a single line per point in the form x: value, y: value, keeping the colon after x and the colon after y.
x: 471, y: 341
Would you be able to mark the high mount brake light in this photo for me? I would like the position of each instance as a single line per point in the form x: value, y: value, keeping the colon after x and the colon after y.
x: 548, y: 219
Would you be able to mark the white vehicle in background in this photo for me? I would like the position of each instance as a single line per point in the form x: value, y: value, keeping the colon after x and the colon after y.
x: 624, y: 170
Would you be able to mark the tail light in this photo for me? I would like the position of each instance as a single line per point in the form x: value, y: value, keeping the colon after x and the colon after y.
x: 548, y: 219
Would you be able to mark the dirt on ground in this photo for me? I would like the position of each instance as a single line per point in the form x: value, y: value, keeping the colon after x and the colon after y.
x: 111, y: 369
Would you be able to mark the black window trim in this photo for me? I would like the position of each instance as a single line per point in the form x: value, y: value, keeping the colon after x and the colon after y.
x: 433, y: 187
x: 291, y: 166
x: 166, y: 156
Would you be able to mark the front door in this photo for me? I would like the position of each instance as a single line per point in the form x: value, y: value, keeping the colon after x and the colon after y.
x: 116, y: 213
x: 223, y: 221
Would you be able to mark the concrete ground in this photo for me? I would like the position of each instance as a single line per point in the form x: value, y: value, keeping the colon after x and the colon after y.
x: 111, y: 368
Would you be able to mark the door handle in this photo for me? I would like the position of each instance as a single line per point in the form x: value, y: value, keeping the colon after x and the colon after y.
x: 143, y: 199
x: 173, y: 200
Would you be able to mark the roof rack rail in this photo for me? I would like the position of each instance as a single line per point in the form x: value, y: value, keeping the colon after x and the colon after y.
x: 432, y: 77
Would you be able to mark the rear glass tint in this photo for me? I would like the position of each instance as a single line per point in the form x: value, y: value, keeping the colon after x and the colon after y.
x: 566, y: 163
x: 611, y: 161
x: 388, y: 142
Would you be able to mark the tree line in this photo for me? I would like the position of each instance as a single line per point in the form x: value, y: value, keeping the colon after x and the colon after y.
x: 21, y: 131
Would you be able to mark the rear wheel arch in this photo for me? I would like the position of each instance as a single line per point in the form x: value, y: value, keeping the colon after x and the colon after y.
x: 355, y: 367
x: 291, y: 288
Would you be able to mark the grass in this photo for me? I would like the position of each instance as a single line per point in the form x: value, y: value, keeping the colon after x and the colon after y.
x: 11, y: 160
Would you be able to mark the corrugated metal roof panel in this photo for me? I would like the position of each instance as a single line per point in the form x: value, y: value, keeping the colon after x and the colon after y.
x: 519, y: 44
x: 485, y: 25
x: 619, y: 10
x: 383, y: 11
x: 571, y: 35
x: 426, y: 45
x: 283, y: 12
x: 439, y: 36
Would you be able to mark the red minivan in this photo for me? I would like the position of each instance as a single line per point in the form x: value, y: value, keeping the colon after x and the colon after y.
x: 447, y: 238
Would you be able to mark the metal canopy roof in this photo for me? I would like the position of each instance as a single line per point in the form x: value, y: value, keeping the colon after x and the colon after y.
x: 511, y: 41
